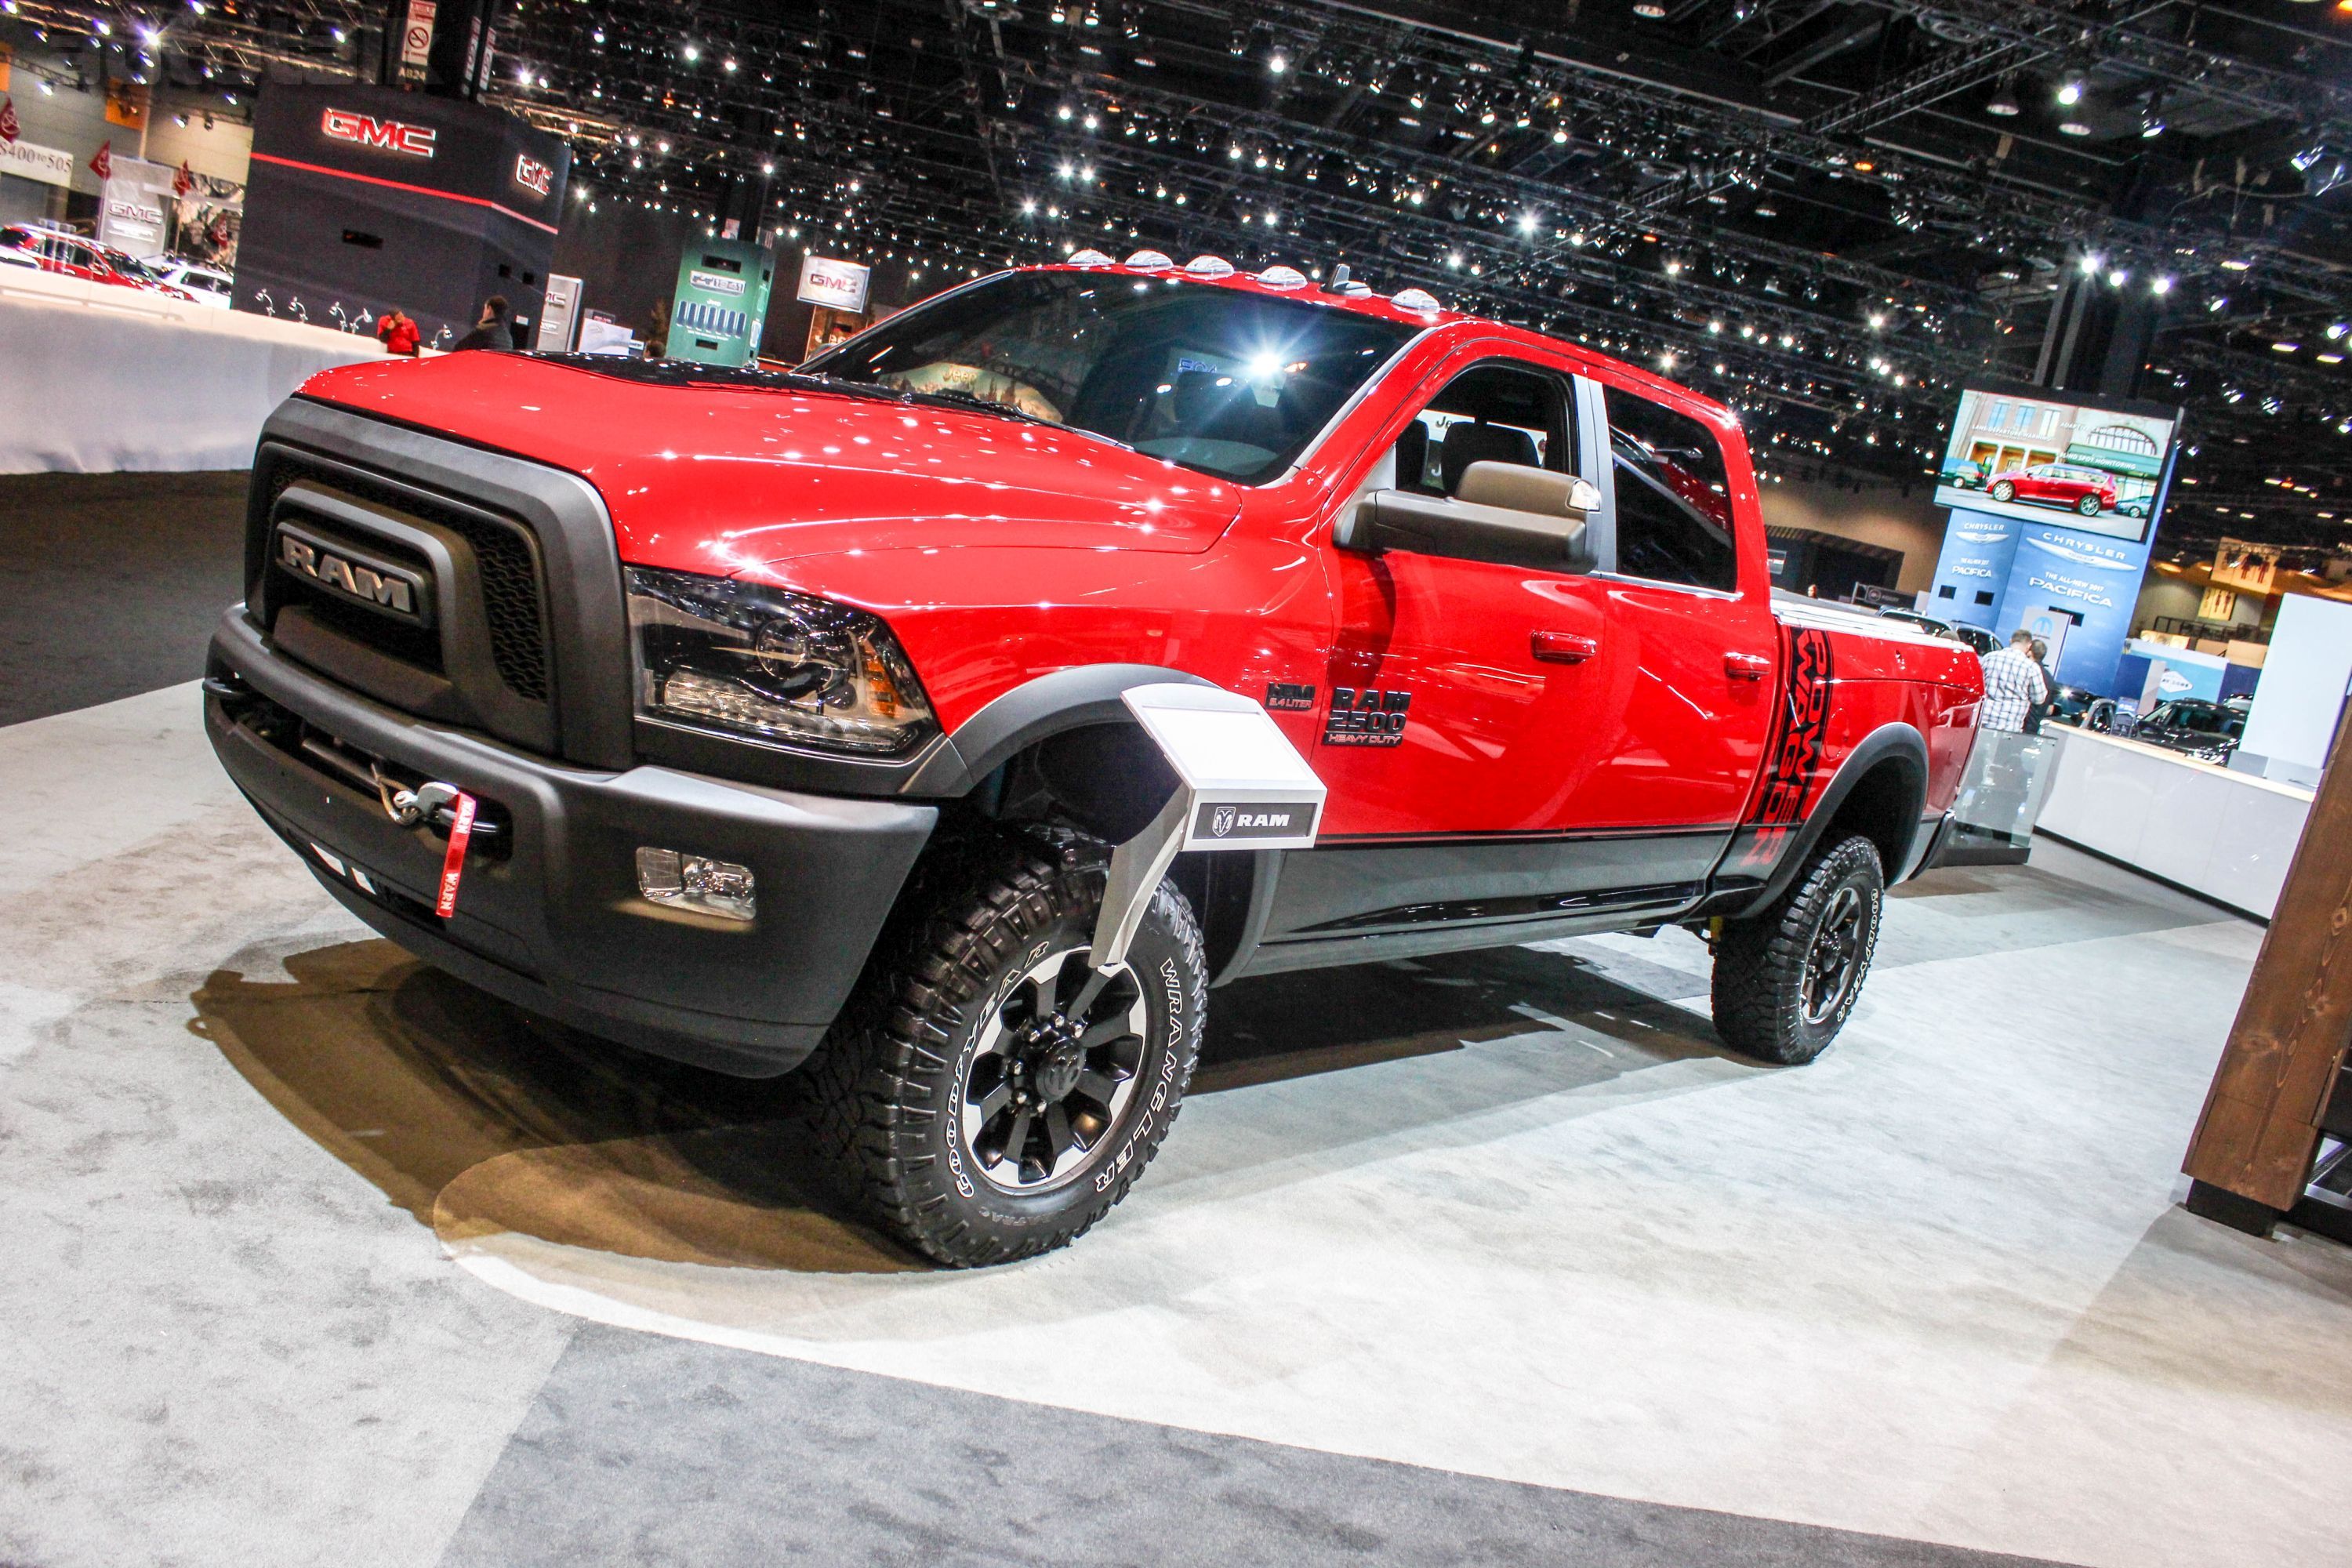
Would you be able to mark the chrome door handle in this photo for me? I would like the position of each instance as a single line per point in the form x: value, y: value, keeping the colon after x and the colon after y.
x: 1747, y: 666
x: 1564, y: 648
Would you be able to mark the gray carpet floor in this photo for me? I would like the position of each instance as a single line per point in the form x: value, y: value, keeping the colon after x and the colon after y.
x: 112, y: 583
x: 666, y: 1452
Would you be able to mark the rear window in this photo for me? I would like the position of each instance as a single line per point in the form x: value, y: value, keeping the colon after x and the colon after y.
x: 1674, y: 499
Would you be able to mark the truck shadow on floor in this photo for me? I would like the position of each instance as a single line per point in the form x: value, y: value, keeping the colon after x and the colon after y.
x: 477, y: 1118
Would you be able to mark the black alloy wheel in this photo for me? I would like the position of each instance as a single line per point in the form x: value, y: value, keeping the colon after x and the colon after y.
x: 1787, y: 978
x: 1834, y: 964
x: 1043, y: 1089
x: 984, y: 1096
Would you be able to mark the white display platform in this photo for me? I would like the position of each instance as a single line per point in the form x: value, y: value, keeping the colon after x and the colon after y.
x: 2226, y: 835
x: 97, y: 378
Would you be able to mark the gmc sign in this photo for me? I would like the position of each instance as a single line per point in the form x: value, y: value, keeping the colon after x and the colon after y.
x: 531, y: 174
x: 386, y: 135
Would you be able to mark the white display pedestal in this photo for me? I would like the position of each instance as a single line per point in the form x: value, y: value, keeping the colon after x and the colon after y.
x: 2225, y: 835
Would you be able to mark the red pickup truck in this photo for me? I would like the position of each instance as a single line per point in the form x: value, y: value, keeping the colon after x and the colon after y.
x: 778, y: 721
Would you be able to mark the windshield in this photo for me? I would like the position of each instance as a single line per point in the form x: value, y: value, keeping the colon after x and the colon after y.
x: 1230, y: 382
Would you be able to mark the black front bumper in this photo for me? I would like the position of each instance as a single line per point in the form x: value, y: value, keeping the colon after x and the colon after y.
x: 548, y: 915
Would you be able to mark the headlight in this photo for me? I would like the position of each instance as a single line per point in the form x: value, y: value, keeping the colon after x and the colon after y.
x: 728, y: 655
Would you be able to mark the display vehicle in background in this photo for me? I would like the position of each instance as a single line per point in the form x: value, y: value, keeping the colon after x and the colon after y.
x: 2208, y: 732
x: 781, y: 722
x: 1977, y: 640
x: 207, y: 284
x: 2085, y: 491
x: 70, y: 256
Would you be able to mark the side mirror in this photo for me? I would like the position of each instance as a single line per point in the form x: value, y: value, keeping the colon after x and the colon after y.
x: 1505, y: 513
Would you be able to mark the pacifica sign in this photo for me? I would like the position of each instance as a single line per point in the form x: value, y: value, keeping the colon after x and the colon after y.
x: 386, y: 135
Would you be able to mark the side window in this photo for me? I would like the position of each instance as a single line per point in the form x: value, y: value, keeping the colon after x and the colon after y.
x: 1493, y: 413
x: 1674, y: 503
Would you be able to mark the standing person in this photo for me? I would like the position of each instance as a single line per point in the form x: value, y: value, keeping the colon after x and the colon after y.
x: 657, y: 329
x: 397, y: 332
x: 491, y: 331
x: 2049, y: 703
x: 2014, y: 685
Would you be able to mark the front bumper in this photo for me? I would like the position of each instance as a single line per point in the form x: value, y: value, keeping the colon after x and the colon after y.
x: 548, y: 915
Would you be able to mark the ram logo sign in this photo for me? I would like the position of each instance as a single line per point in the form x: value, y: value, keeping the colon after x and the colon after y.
x: 349, y: 574
x: 385, y: 135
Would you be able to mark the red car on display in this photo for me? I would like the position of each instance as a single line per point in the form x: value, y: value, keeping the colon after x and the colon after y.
x: 70, y: 256
x: 788, y: 721
x: 2086, y: 491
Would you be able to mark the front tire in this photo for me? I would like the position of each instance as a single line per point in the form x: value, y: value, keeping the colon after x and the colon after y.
x: 963, y: 1101
x: 1786, y: 979
x: 2004, y: 492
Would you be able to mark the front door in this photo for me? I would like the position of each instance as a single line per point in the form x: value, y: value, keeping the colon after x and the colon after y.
x: 1463, y: 733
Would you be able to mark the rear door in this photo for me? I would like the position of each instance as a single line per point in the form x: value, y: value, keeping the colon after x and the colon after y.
x: 1689, y: 621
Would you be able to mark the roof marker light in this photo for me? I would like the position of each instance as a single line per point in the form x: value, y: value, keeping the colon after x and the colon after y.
x: 1420, y: 300
x: 1283, y: 278
x: 1148, y: 259
x: 1209, y: 267
x: 1091, y: 258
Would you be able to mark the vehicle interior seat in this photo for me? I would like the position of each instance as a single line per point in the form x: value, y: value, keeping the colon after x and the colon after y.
x: 1467, y: 444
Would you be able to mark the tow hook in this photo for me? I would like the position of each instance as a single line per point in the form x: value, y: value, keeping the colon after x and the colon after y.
x: 410, y: 806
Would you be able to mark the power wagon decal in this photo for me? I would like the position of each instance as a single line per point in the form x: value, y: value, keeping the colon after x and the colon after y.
x: 1797, y: 742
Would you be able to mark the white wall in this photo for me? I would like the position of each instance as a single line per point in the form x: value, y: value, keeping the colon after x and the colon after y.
x: 76, y: 122
x: 100, y: 379
x: 1879, y: 514
x: 2304, y: 676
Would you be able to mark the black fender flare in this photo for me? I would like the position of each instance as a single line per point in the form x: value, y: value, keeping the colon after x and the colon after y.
x: 1047, y: 705
x: 1893, y: 740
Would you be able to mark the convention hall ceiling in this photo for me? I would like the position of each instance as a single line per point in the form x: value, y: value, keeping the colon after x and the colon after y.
x: 1831, y: 215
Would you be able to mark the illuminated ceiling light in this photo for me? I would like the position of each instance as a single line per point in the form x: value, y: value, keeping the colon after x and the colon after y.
x: 1649, y: 10
x: 2004, y: 101
x: 2072, y: 127
x: 691, y: 52
x: 1277, y: 63
x: 2162, y: 285
x: 2089, y: 263
x: 1530, y: 223
x: 2284, y: 348
x: 2070, y: 91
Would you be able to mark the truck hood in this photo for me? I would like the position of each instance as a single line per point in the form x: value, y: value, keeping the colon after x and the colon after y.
x: 708, y: 470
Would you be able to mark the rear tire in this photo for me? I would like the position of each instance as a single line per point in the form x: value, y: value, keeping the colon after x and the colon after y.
x: 2088, y: 506
x: 958, y: 1103
x: 1786, y: 979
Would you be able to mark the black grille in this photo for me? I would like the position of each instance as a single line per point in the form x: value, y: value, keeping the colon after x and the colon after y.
x: 511, y: 607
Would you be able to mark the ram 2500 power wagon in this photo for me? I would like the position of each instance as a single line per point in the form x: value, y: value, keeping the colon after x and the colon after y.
x: 780, y: 722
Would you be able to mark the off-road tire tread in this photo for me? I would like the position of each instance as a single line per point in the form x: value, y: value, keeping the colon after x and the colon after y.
x: 971, y: 905
x: 1756, y: 995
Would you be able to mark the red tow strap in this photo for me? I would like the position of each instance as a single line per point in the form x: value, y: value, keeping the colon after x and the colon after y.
x: 453, y: 865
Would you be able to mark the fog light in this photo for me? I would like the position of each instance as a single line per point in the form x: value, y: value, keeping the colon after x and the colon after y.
x: 718, y: 888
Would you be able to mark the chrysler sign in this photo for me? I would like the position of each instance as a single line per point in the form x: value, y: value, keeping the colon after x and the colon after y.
x: 386, y: 135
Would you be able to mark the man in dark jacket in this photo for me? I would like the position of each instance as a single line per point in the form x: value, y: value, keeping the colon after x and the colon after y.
x: 492, y: 331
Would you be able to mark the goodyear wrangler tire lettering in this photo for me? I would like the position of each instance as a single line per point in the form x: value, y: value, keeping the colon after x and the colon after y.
x: 891, y: 1096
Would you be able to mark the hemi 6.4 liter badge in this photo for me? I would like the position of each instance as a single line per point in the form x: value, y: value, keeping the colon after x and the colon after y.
x: 347, y: 574
x: 1287, y: 819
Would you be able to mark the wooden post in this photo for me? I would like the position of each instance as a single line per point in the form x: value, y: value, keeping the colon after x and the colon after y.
x: 2251, y: 1153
